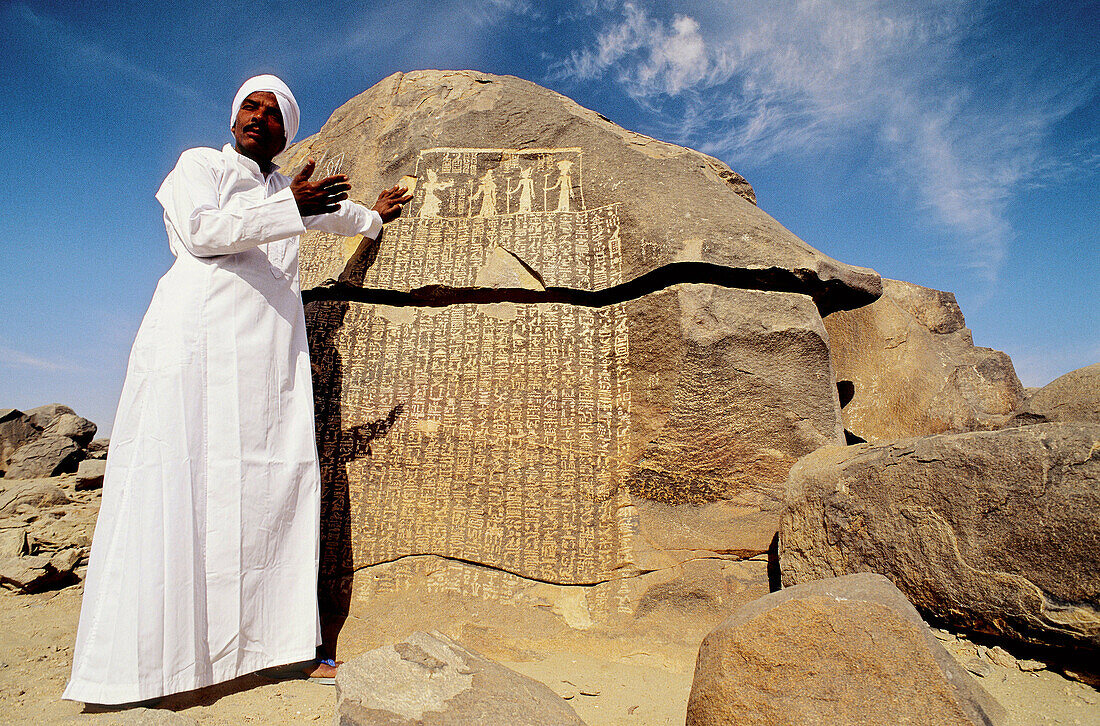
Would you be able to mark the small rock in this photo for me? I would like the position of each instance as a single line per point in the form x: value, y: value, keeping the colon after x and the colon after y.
x: 13, y: 543
x: 97, y: 449
x: 979, y: 667
x: 1001, y: 657
x: 589, y: 692
x: 66, y: 561
x: 89, y: 475
x: 434, y: 681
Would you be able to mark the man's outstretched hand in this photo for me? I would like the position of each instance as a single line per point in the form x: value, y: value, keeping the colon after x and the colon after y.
x: 319, y: 197
x: 389, y: 203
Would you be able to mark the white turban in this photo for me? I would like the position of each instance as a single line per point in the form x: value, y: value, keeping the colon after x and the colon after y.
x: 287, y: 105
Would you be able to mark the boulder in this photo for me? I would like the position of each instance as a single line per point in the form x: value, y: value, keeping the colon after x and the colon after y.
x: 1072, y: 397
x: 844, y: 650
x: 914, y: 368
x: 496, y: 159
x: 48, y: 455
x: 993, y: 532
x: 80, y: 430
x: 16, y: 429
x: 89, y: 475
x: 609, y: 356
x: 430, y: 680
x: 44, y: 416
x: 34, y: 493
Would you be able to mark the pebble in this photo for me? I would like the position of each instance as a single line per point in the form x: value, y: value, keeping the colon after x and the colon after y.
x: 1028, y: 666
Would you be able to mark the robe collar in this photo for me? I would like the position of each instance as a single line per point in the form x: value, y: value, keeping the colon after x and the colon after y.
x: 252, y: 167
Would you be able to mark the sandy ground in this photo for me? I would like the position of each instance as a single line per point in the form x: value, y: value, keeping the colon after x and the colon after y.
x: 629, y: 687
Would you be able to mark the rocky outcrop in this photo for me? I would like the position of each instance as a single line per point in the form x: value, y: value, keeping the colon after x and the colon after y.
x: 1072, y: 397
x: 914, y: 368
x: 430, y: 680
x: 48, y: 455
x: 993, y: 532
x: 844, y: 650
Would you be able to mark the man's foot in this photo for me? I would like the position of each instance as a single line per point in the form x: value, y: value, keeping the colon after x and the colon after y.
x: 323, y: 672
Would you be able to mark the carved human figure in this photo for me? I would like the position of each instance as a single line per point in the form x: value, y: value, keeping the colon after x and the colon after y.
x: 432, y: 203
x: 564, y: 185
x: 526, y: 189
x: 488, y: 193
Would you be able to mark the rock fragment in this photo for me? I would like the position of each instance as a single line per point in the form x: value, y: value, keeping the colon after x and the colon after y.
x: 430, y: 680
x: 843, y: 650
x: 89, y: 475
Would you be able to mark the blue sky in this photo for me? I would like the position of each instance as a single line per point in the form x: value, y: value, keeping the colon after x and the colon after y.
x: 952, y: 143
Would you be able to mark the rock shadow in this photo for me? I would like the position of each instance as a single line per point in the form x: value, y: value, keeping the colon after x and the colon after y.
x: 337, y: 446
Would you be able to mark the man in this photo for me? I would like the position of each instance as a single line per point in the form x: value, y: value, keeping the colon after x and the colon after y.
x: 204, y: 561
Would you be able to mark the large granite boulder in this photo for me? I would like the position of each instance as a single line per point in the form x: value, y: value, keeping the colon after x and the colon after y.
x: 846, y: 650
x: 580, y: 356
x: 585, y: 203
x: 1072, y: 397
x: 430, y: 680
x: 46, y: 456
x: 914, y: 368
x: 994, y: 532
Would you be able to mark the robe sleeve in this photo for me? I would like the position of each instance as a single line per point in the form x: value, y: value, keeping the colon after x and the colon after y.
x: 349, y: 220
x: 248, y: 219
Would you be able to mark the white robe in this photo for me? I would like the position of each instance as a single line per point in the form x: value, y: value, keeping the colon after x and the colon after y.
x: 204, y: 561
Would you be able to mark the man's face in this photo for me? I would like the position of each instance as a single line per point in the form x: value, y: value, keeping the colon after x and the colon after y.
x: 258, y: 128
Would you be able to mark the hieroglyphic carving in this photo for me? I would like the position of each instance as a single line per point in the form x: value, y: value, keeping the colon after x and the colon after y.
x: 508, y: 447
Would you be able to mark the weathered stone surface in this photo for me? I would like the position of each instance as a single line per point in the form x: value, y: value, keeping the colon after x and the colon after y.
x: 16, y: 429
x: 915, y: 368
x: 563, y: 443
x: 89, y: 475
x: 499, y: 160
x: 48, y: 455
x: 80, y: 430
x: 34, y: 493
x: 1072, y: 397
x: 44, y: 416
x: 430, y: 680
x: 97, y: 449
x: 993, y: 532
x: 844, y: 650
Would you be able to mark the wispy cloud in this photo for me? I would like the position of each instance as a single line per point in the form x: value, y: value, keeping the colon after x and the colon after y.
x: 59, y: 34
x: 959, y: 128
x: 17, y: 359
